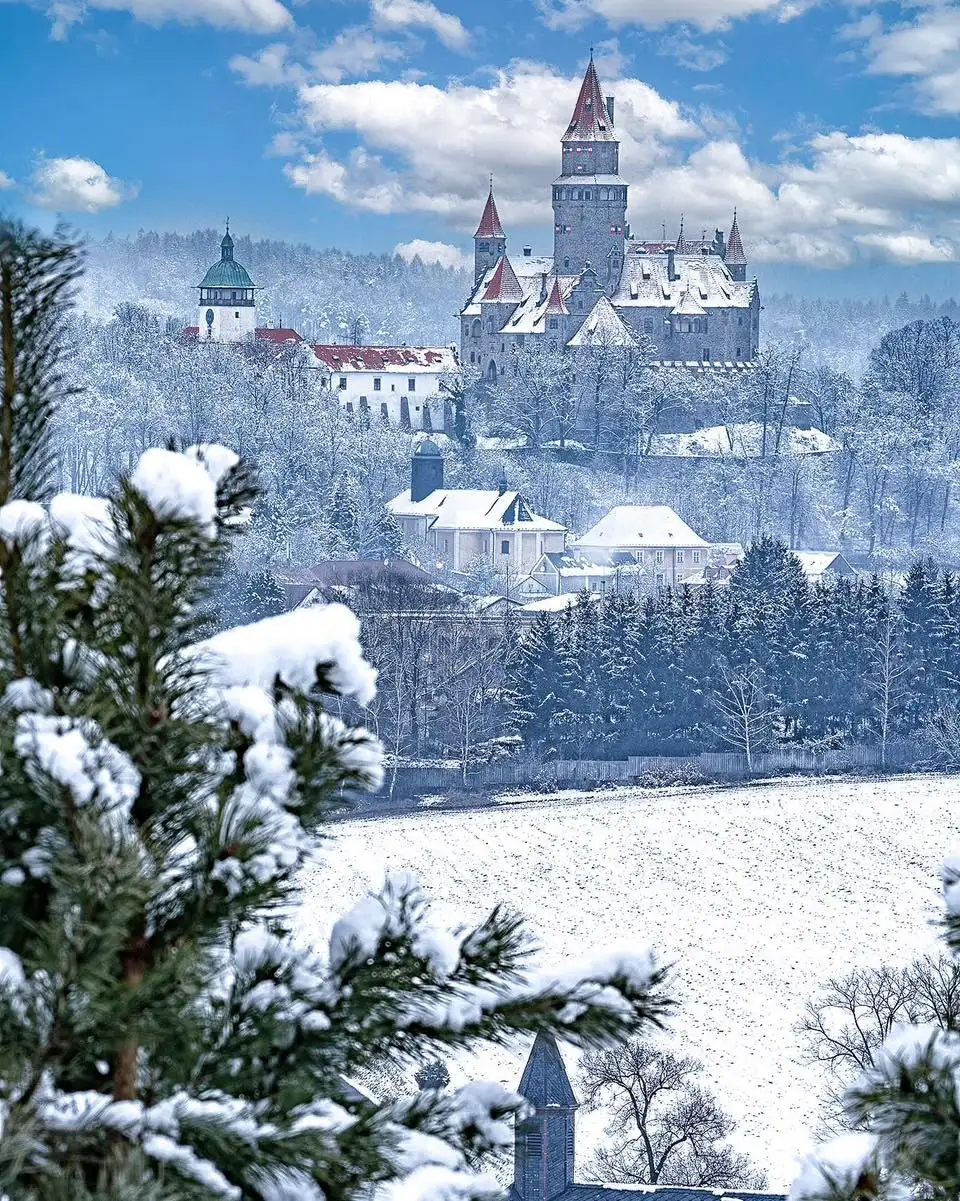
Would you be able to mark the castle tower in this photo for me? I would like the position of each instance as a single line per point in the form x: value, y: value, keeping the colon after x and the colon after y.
x: 589, y: 197
x: 227, y: 310
x: 489, y: 242
x: 426, y: 470
x: 735, y: 259
x: 544, y: 1142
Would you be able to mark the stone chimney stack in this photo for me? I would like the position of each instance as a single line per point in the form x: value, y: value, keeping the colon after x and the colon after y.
x: 609, y: 100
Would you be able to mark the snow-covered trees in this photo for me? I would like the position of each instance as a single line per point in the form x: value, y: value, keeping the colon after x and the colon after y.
x: 165, y: 1031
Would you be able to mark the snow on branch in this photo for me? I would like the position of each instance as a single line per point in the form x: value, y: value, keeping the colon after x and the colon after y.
x: 177, y: 487
x: 294, y: 647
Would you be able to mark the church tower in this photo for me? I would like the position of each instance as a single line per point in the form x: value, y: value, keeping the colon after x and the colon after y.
x: 489, y: 242
x: 227, y: 311
x: 544, y: 1142
x: 590, y: 198
x: 735, y: 258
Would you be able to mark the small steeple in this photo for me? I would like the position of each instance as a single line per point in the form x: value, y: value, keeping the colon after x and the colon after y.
x: 490, y: 226
x: 544, y: 1141
x: 735, y: 258
x: 545, y: 1081
x: 556, y: 307
x: 681, y: 246
x: 226, y: 245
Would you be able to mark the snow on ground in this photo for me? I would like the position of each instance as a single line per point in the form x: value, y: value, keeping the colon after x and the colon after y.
x: 756, y: 895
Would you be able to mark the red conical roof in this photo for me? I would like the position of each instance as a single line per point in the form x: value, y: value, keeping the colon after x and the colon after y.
x: 555, y: 304
x: 735, y: 253
x: 503, y: 285
x: 590, y: 121
x: 681, y: 246
x: 490, y: 226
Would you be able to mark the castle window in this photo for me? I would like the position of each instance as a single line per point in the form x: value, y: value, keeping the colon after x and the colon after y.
x: 342, y: 383
x: 376, y: 383
x: 411, y: 384
x: 648, y: 325
x: 706, y: 354
x: 566, y: 262
x: 471, y: 356
x: 237, y: 313
x: 740, y: 319
x: 477, y: 328
x: 484, y: 245
x: 554, y: 324
x: 586, y: 194
x: 505, y: 547
x: 491, y: 326
x: 738, y: 353
x: 602, y: 193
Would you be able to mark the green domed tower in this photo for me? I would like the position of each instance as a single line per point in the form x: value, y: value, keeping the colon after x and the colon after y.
x: 228, y: 310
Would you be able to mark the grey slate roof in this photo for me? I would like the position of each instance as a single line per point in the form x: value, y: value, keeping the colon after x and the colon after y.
x: 545, y: 1081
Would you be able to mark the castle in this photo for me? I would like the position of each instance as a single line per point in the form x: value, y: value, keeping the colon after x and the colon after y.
x: 544, y: 1155
x: 686, y: 304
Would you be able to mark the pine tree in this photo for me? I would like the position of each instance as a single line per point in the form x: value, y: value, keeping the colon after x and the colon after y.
x: 262, y: 596
x: 164, y: 1033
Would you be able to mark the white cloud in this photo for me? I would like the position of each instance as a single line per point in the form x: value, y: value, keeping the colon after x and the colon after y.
x: 420, y: 14
x: 77, y: 185
x: 5, y: 181
x: 251, y: 16
x: 433, y: 252
x: 689, y: 53
x: 925, y: 51
x: 655, y: 14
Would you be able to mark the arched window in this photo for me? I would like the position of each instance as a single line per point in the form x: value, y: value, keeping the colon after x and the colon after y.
x: 492, y: 372
x: 491, y: 326
x: 477, y: 328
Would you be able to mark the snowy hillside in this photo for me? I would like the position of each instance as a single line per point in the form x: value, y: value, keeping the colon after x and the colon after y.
x: 756, y: 895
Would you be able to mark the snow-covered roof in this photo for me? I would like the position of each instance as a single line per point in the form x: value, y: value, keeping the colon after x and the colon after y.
x: 602, y: 327
x: 816, y: 563
x: 743, y: 440
x: 704, y: 278
x: 641, y: 527
x: 576, y: 562
x: 402, y: 359
x: 688, y: 306
x: 556, y: 604
x: 472, y: 509
x: 591, y: 122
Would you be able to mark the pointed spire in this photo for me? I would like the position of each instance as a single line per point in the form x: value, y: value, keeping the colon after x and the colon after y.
x: 490, y: 226
x: 556, y: 307
x: 504, y: 285
x: 681, y: 246
x: 226, y: 245
x: 591, y: 122
x: 735, y: 256
x: 545, y: 1081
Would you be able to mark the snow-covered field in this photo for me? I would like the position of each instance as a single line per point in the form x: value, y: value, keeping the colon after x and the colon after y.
x: 755, y: 894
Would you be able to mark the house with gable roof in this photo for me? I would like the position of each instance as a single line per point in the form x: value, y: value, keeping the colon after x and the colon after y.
x: 689, y: 299
x: 544, y: 1150
x: 461, y: 525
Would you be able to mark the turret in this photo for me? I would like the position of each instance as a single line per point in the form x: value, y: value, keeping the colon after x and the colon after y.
x: 426, y: 470
x: 489, y: 242
x: 227, y: 309
x: 544, y: 1141
x: 589, y: 197
x: 735, y: 258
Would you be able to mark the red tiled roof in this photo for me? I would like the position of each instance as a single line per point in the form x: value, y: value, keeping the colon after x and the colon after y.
x: 490, y: 226
x: 378, y: 358
x: 590, y: 121
x: 278, y: 335
x: 555, y: 304
x: 503, y: 284
x: 735, y: 253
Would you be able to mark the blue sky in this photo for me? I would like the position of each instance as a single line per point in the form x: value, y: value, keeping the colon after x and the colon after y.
x: 371, y: 125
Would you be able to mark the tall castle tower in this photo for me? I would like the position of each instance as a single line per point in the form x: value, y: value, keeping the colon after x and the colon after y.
x: 735, y: 258
x: 489, y: 242
x: 227, y: 310
x: 590, y: 198
x: 544, y: 1142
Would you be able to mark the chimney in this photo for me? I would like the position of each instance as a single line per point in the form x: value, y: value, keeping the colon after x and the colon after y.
x: 426, y: 470
x: 527, y: 251
x: 610, y: 108
x: 671, y: 264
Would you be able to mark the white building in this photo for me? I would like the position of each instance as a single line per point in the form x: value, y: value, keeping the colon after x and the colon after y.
x: 459, y: 526
x: 227, y: 309
x: 398, y: 384
x: 666, y: 549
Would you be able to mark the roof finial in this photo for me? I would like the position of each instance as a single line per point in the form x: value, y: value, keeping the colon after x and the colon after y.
x: 228, y: 223
x: 491, y: 181
x: 591, y: 54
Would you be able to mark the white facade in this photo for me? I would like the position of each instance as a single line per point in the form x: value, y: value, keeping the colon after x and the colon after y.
x: 400, y: 385
x: 224, y: 321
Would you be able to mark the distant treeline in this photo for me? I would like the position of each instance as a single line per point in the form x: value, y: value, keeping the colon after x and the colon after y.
x: 768, y: 660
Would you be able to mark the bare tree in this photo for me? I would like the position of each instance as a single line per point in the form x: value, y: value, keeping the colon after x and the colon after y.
x: 666, y: 1128
x: 744, y: 709
x: 843, y: 1026
x: 887, y: 676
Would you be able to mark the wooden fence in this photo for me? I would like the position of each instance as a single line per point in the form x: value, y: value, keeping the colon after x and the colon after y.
x: 406, y: 782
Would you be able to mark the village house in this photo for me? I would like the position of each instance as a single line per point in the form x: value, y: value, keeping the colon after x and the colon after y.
x: 459, y: 526
x: 666, y: 549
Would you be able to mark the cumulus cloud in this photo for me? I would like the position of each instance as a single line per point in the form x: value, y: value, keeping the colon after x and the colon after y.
x: 925, y: 52
x: 833, y: 199
x: 433, y: 252
x: 77, y: 185
x: 354, y: 53
x: 420, y: 14
x: 689, y: 53
x: 5, y: 181
x: 251, y: 16
x: 655, y: 14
